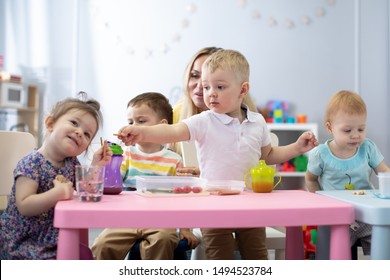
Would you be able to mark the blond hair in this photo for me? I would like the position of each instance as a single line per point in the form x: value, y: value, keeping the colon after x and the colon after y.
x: 347, y: 101
x: 228, y: 60
x: 233, y: 61
x: 189, y: 109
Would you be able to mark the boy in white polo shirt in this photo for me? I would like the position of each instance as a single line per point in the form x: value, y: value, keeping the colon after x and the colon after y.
x: 230, y: 140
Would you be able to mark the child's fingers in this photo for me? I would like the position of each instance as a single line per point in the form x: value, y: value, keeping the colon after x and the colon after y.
x: 120, y: 133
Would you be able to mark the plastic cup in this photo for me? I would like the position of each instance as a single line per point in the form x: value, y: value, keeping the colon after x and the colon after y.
x: 384, y: 183
x: 89, y: 182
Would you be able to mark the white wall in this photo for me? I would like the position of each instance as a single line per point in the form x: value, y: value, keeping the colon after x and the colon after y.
x: 102, y: 47
x: 374, y: 72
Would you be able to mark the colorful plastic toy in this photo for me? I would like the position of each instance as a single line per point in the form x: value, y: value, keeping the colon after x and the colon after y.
x: 288, y: 167
x: 300, y: 163
x: 309, y: 241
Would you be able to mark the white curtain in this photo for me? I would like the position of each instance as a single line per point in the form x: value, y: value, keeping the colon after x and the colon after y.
x: 39, y: 42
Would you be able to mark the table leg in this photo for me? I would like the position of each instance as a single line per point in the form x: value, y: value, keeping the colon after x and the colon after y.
x: 84, y: 239
x: 340, y: 242
x: 68, y: 247
x: 323, y: 243
x: 294, y: 243
x: 380, y: 243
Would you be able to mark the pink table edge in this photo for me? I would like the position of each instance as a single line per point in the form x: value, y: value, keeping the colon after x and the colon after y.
x: 70, y: 236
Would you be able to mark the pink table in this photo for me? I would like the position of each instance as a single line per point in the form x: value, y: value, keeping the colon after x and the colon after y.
x: 288, y: 208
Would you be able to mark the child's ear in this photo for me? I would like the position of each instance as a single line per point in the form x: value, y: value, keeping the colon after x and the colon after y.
x: 164, y: 121
x: 244, y: 89
x: 49, y: 123
x: 328, y: 127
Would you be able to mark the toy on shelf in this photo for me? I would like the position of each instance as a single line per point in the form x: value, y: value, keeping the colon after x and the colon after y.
x: 275, y: 111
x: 301, y: 118
x: 297, y: 164
x: 309, y: 241
x: 290, y: 120
x: 288, y: 167
x: 300, y: 163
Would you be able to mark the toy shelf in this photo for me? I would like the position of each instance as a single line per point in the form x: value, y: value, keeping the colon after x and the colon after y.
x: 27, y: 116
x: 300, y: 127
x: 292, y: 174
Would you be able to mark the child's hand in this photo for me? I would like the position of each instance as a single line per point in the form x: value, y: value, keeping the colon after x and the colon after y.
x: 129, y: 135
x: 188, y: 171
x: 192, y: 240
x: 307, y: 141
x: 102, y: 156
x: 65, y: 186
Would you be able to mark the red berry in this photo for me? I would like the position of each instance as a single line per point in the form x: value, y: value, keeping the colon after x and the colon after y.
x: 186, y: 189
x: 196, y: 189
x: 177, y: 190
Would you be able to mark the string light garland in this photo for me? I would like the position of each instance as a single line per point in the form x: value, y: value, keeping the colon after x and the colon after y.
x: 289, y: 23
x: 105, y: 25
x: 272, y: 21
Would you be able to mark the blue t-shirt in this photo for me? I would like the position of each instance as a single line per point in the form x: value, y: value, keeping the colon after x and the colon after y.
x: 332, y: 170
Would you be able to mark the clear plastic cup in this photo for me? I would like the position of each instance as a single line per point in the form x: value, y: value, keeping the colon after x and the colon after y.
x: 384, y: 183
x: 89, y: 182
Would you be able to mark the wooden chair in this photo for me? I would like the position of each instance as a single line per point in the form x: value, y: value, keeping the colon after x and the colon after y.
x: 276, y: 237
x: 14, y: 145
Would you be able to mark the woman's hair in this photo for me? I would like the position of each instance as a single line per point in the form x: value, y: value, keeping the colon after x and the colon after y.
x: 82, y: 103
x: 349, y: 102
x: 189, y: 109
x: 157, y: 102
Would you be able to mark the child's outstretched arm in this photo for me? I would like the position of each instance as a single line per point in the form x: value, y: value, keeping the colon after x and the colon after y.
x: 279, y: 154
x: 306, y: 142
x: 31, y: 203
x: 160, y: 133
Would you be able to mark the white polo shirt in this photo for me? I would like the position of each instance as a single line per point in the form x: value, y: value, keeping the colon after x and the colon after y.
x: 226, y: 148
